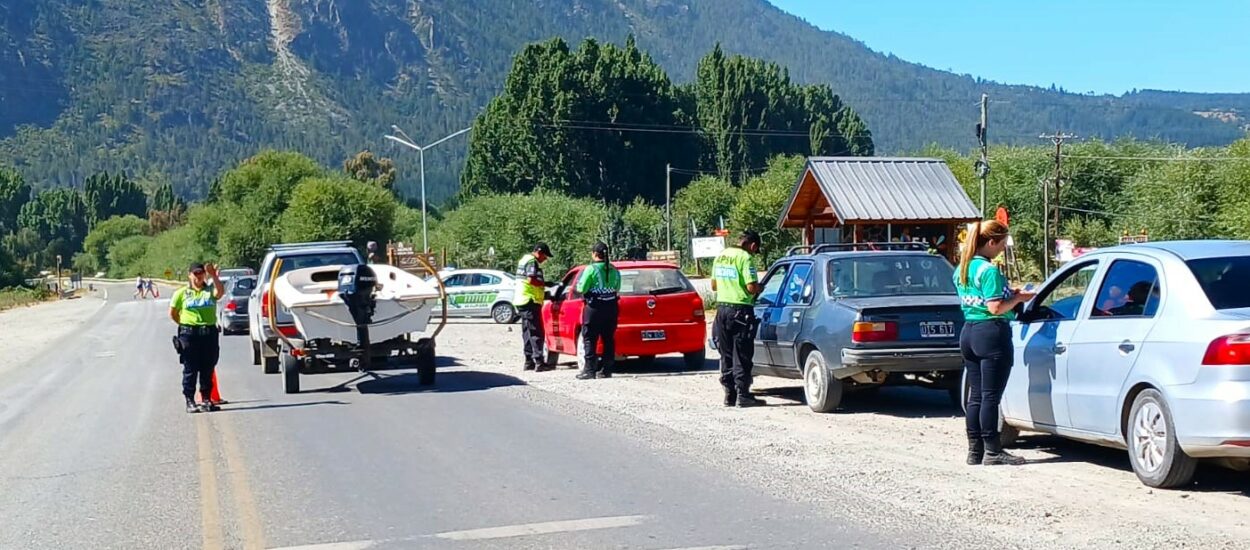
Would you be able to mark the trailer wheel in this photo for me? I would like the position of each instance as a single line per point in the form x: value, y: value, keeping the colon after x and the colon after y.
x: 426, y: 364
x: 290, y: 371
x: 255, y: 353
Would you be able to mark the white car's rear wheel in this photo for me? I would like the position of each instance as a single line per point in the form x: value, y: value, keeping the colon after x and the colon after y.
x: 503, y: 314
x: 1157, y: 458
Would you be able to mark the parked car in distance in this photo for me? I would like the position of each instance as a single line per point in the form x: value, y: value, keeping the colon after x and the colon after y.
x: 293, y: 256
x: 232, y: 308
x: 1144, y: 347
x: 661, y: 313
x: 480, y: 293
x: 230, y: 274
x: 847, y: 317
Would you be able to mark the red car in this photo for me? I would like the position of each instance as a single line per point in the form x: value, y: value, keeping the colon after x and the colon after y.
x: 660, y: 313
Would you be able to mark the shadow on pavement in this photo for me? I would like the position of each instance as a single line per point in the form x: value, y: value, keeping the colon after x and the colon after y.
x: 232, y: 408
x: 900, y: 401
x: 447, y: 382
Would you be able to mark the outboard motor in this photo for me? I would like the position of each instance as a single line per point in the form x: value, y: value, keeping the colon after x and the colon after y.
x: 357, y: 284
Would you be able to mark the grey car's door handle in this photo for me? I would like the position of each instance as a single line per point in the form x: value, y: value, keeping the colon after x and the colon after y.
x: 1127, y: 347
x: 1060, y: 348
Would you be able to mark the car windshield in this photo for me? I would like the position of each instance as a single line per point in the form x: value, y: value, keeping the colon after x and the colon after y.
x: 893, y: 275
x: 1224, y: 280
x: 302, y: 261
x: 232, y: 273
x: 243, y: 286
x: 653, y: 280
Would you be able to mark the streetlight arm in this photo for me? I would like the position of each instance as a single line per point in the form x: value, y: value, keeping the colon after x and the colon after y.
x: 404, y: 142
x: 448, y: 137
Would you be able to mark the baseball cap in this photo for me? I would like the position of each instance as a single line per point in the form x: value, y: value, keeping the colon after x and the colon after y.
x: 195, y: 266
x: 543, y: 248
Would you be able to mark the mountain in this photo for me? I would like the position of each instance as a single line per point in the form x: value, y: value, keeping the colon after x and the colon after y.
x: 177, y: 90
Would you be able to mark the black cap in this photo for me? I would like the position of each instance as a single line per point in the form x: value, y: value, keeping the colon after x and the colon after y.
x: 195, y: 266
x: 600, y: 249
x: 543, y: 248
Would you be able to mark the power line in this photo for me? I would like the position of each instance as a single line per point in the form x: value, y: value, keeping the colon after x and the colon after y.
x: 1151, y: 216
x: 1159, y: 159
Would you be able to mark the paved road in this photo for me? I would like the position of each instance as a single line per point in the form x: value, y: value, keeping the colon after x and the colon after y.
x: 96, y: 451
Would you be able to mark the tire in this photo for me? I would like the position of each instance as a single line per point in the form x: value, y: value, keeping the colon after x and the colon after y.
x: 503, y: 313
x: 426, y: 365
x: 578, y: 353
x: 255, y: 353
x: 1157, y: 457
x: 822, y: 391
x: 695, y: 360
x: 271, y: 365
x: 290, y: 372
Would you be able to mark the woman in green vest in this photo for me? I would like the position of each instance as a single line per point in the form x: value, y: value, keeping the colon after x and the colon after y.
x: 600, y: 285
x: 985, y: 343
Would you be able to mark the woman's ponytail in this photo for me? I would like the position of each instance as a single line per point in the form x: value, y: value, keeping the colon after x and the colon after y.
x: 969, y: 250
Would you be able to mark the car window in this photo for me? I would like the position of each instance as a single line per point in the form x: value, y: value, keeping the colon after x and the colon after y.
x: 455, y: 280
x: 302, y: 261
x: 570, y: 285
x: 1223, y: 280
x: 892, y: 275
x: 242, y: 287
x: 653, y: 280
x: 772, y: 285
x: 1130, y: 289
x: 798, y: 286
x: 1063, y: 299
x: 491, y: 280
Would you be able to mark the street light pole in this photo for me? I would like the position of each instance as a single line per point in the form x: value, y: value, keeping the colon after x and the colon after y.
x: 410, y: 143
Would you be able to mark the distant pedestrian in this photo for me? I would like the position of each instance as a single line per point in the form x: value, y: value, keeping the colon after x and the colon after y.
x: 736, y: 283
x: 988, y: 302
x: 530, y: 293
x: 600, y: 285
x: 194, y: 309
x: 139, y: 287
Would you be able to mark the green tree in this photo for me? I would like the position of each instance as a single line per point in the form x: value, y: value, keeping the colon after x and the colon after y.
x: 760, y: 202
x: 107, y: 195
x: 336, y: 207
x: 367, y: 168
x: 164, y: 199
x: 104, y: 236
x: 14, y: 193
x: 699, y: 208
x: 256, y: 193
x: 60, y: 218
x: 126, y: 256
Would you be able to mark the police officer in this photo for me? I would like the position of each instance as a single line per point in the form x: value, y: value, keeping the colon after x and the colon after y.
x: 194, y: 309
x: 600, y: 285
x: 530, y: 293
x: 736, y: 284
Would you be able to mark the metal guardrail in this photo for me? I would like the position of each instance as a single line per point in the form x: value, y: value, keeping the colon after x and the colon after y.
x: 855, y: 247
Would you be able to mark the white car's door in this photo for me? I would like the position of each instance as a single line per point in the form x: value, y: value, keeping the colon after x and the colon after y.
x: 1034, y: 392
x: 1102, y: 352
x: 455, y: 285
x: 476, y: 295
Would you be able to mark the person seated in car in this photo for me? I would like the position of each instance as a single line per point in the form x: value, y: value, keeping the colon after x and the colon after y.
x: 1138, y: 295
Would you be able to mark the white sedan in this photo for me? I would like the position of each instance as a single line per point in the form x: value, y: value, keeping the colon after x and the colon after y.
x: 480, y: 293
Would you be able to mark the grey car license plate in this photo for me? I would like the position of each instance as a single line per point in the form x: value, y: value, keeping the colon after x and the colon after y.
x: 937, y: 329
x: 653, y: 335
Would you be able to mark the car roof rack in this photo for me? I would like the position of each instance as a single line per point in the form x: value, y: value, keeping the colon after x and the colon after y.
x: 854, y: 247
x: 321, y: 244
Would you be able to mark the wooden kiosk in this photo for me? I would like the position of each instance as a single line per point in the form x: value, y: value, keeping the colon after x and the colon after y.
x: 879, y: 199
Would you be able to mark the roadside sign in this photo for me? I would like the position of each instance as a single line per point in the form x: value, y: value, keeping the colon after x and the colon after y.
x: 169, y: 274
x: 706, y: 247
x: 668, y: 256
x: 405, y: 257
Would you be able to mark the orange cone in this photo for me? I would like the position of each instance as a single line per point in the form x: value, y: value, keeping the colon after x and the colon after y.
x: 215, y: 395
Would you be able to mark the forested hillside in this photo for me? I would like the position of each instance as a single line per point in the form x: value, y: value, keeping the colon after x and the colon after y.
x: 178, y: 90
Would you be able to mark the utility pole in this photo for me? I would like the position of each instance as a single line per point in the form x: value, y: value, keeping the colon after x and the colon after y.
x: 983, y: 164
x: 1057, y: 138
x: 668, y: 206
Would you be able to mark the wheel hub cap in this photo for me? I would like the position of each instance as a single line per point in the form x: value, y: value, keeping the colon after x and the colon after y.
x: 1149, y: 437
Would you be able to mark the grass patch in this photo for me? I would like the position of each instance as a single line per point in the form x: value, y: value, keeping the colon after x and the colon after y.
x: 18, y: 296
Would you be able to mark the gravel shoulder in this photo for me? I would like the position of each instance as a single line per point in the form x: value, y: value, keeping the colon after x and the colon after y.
x: 892, y: 460
x: 25, y: 332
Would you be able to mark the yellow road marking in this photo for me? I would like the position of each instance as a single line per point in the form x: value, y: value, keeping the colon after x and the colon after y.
x: 245, y: 501
x: 210, y: 511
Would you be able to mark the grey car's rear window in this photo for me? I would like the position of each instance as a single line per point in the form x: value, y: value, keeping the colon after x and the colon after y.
x: 1224, y: 280
x: 892, y: 275
x: 302, y: 261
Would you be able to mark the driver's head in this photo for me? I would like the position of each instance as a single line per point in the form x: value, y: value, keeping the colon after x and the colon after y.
x: 1140, y: 291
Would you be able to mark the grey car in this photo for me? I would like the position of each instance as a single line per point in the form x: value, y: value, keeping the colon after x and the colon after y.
x: 859, y: 316
x: 1144, y: 347
x: 232, y: 308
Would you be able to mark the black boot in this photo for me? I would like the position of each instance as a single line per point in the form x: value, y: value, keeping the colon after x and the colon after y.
x: 207, y: 405
x: 191, y: 406
x: 996, y: 456
x: 747, y: 400
x: 586, y: 375
x: 731, y: 397
x: 976, y: 450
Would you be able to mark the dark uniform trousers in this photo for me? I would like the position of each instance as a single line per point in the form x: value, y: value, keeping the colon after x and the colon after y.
x: 735, y: 341
x: 599, y: 320
x: 198, y: 353
x: 532, y: 333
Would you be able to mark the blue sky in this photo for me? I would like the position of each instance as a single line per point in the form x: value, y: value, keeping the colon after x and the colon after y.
x: 1105, y: 46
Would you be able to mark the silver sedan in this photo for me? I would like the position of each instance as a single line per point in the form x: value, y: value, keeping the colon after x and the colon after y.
x: 1144, y: 347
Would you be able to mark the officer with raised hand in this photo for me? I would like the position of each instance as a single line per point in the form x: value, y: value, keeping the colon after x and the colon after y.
x: 194, y: 309
x: 530, y: 293
x: 736, y: 283
x: 600, y: 284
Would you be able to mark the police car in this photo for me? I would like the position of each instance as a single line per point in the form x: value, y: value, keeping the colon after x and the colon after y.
x: 480, y: 293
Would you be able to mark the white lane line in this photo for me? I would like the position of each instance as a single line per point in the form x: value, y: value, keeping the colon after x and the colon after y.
x: 735, y: 547
x: 544, y: 528
x: 354, y: 545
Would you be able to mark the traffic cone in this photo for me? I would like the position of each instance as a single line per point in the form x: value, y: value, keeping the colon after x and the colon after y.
x: 215, y: 396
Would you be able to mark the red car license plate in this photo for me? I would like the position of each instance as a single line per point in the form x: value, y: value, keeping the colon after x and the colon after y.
x: 653, y: 336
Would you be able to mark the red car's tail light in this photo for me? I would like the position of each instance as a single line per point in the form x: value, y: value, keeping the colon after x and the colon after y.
x: 231, y: 306
x: 881, y: 331
x: 1233, y: 349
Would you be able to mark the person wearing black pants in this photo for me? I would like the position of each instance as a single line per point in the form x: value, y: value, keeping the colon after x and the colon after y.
x: 531, y: 290
x: 736, y: 284
x: 988, y: 304
x: 600, y: 284
x: 194, y: 309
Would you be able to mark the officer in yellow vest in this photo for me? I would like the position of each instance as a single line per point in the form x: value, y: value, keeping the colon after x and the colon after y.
x: 530, y: 293
x: 736, y: 284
